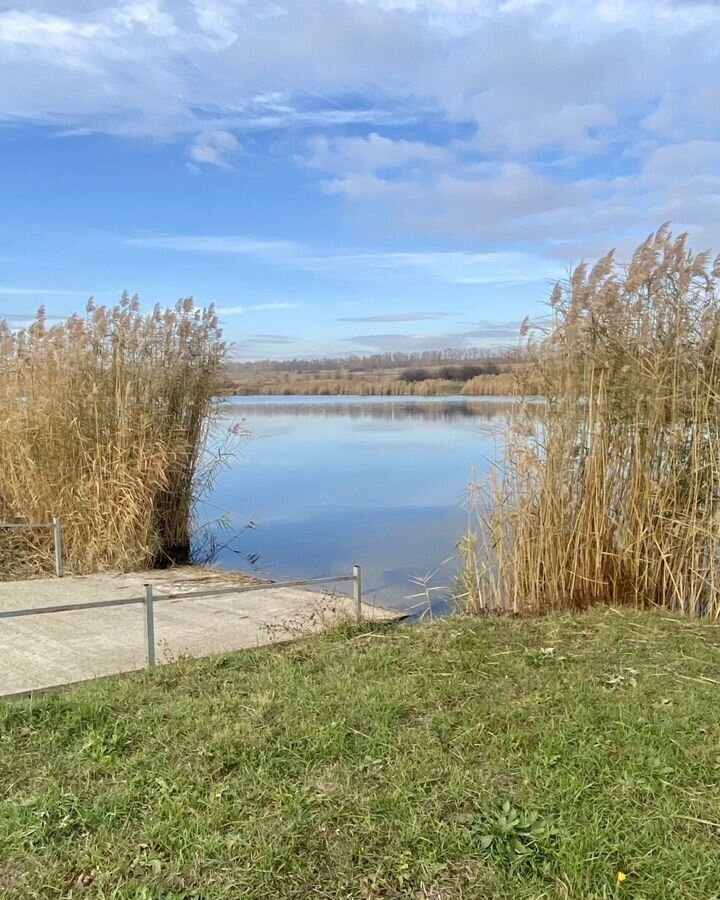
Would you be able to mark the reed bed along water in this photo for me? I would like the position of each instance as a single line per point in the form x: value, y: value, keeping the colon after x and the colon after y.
x: 610, y: 490
x: 502, y: 384
x: 103, y: 420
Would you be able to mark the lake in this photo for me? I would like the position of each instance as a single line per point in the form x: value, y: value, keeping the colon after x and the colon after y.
x: 328, y: 482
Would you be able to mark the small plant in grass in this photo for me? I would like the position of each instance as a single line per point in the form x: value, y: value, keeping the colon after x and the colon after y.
x: 518, y: 838
x: 102, y: 745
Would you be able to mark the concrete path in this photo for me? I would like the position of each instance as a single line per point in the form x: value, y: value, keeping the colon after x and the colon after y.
x: 53, y: 649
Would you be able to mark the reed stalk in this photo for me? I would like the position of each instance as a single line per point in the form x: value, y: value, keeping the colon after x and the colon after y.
x: 103, y: 420
x: 610, y: 490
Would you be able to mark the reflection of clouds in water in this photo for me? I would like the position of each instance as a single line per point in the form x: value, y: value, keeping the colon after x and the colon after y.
x: 376, y: 481
x: 390, y: 446
x: 394, y: 546
x: 257, y: 433
x: 376, y: 427
x: 481, y: 427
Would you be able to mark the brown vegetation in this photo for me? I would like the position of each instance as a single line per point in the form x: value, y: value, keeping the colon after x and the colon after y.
x: 611, y: 490
x: 427, y: 374
x: 481, y: 386
x: 102, y: 421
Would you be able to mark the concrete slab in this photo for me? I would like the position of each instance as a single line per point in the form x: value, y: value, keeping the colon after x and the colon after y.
x: 49, y: 650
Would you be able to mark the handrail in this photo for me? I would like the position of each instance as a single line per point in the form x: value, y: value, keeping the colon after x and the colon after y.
x: 56, y: 525
x: 150, y: 599
x: 26, y: 524
x: 70, y: 607
x: 243, y: 589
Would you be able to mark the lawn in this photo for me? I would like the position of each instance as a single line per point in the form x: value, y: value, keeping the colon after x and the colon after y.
x: 575, y: 756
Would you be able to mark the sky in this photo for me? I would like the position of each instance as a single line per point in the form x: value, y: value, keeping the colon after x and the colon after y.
x: 347, y: 176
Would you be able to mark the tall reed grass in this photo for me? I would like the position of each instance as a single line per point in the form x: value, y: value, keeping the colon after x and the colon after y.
x: 610, y: 490
x: 300, y: 385
x: 103, y: 420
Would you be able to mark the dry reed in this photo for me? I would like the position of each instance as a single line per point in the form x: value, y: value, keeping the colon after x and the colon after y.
x: 103, y: 420
x: 610, y: 489
x: 480, y: 386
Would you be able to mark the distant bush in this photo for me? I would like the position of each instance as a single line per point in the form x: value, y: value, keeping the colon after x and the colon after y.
x: 466, y: 372
x: 413, y: 375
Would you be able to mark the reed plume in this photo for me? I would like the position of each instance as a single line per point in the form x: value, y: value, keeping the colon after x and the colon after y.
x: 611, y: 488
x: 103, y: 420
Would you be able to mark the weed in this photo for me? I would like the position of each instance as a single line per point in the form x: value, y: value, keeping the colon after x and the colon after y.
x: 518, y: 839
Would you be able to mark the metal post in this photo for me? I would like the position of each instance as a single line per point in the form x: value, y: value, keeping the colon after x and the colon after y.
x: 357, y: 591
x: 57, y: 531
x: 149, y: 627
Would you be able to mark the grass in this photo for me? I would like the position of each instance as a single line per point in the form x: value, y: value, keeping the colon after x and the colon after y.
x: 495, y: 758
x: 103, y: 420
x: 610, y: 491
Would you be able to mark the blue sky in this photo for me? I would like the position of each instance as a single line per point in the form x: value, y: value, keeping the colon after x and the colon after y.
x: 346, y: 176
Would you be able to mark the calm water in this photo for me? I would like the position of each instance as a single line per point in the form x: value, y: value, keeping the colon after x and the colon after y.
x: 328, y: 482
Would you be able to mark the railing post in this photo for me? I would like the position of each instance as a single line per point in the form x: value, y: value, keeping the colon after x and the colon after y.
x: 149, y: 627
x: 357, y: 591
x: 57, y: 532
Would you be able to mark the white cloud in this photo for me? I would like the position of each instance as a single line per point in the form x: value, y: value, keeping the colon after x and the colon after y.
x: 277, y: 306
x: 40, y: 292
x: 446, y: 266
x: 479, y: 121
x: 240, y: 245
x: 150, y: 15
x: 502, y: 203
x: 256, y: 307
x: 48, y: 32
x: 574, y: 127
x: 373, y: 153
x: 418, y: 316
x: 485, y: 335
x: 214, y: 148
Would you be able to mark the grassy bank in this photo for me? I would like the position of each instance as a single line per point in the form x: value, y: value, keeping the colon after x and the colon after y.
x: 103, y: 419
x: 503, y: 759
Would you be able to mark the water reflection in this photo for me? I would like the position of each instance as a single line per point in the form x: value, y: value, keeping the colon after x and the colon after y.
x: 387, y: 409
x: 380, y: 482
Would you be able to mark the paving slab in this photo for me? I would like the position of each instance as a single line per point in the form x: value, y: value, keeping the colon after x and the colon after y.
x: 54, y: 649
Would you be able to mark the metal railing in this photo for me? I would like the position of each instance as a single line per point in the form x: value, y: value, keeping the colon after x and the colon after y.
x: 56, y: 526
x: 150, y: 599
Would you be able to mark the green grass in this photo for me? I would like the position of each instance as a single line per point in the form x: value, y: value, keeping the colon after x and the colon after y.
x: 482, y: 759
